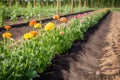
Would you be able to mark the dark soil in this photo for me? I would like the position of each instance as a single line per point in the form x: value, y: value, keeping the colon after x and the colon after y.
x: 97, y: 57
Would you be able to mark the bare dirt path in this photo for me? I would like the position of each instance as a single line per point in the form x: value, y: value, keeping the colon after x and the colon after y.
x: 110, y: 62
x: 95, y: 58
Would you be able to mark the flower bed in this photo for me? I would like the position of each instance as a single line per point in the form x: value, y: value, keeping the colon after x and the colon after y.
x: 18, y: 14
x: 34, y: 54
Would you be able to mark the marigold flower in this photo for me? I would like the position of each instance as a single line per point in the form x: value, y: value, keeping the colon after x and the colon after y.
x: 56, y: 17
x: 32, y: 23
x: 38, y: 25
x: 7, y: 35
x: 7, y: 27
x: 63, y: 19
x: 34, y: 33
x: 28, y: 36
x: 49, y: 26
x: 62, y: 33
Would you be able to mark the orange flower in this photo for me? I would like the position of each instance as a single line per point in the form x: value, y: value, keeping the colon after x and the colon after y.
x: 56, y: 17
x: 7, y: 35
x: 34, y: 33
x: 7, y: 27
x: 63, y: 19
x: 62, y: 33
x: 32, y: 23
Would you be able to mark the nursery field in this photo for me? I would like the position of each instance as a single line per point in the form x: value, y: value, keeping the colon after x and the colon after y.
x: 59, y: 40
x: 30, y: 48
x: 94, y: 58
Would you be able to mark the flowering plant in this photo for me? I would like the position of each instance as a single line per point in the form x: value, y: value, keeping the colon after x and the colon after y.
x: 63, y: 19
x: 49, y: 26
x: 37, y: 25
x: 7, y: 35
x: 7, y: 27
x: 32, y: 23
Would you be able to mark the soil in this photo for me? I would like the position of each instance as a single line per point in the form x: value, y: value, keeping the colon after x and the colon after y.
x: 97, y: 57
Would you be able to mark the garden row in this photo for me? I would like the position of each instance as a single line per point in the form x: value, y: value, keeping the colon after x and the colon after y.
x: 34, y: 54
x: 17, y: 12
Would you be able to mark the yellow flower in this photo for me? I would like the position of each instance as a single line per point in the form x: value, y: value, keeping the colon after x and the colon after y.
x: 7, y: 35
x: 49, y: 26
x: 28, y: 36
x: 38, y: 25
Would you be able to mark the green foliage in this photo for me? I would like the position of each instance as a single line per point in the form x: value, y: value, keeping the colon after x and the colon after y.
x: 22, y: 62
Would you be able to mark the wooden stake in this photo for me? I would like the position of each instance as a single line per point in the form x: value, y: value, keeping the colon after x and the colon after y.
x: 91, y: 3
x: 10, y: 3
x: 79, y: 3
x: 72, y: 5
x: 34, y: 3
x: 58, y: 6
x: 84, y: 3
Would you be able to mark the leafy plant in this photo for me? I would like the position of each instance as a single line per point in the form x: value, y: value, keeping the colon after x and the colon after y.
x: 24, y: 61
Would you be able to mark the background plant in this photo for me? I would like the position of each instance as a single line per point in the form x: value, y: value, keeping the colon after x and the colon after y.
x: 37, y: 9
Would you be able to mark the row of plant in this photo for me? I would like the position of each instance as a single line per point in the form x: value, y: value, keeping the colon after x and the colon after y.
x: 26, y: 13
x: 34, y: 53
